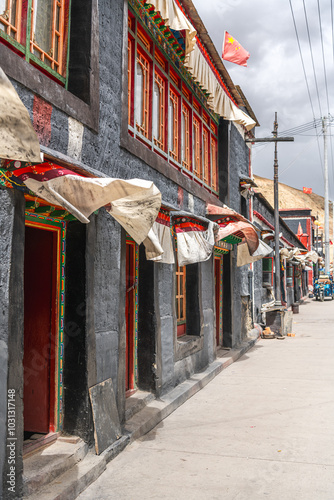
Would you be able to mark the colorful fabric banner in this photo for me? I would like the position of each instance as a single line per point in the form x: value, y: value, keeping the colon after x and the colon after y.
x: 233, y: 51
x: 230, y: 222
x: 307, y: 190
x: 195, y: 239
x: 18, y: 140
x: 133, y: 203
x: 176, y: 20
x: 160, y: 238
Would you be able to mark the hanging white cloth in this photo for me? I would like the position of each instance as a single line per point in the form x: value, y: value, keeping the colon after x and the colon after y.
x: 244, y: 257
x: 176, y: 20
x: 18, y: 140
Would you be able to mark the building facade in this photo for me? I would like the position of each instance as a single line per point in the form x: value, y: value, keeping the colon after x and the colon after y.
x: 113, y: 92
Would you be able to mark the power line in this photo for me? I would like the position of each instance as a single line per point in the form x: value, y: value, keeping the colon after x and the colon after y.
x: 323, y: 57
x: 301, y: 57
x: 309, y: 40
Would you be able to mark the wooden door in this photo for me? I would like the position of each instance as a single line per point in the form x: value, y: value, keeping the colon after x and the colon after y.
x: 218, y: 300
x: 39, y: 285
x: 130, y: 316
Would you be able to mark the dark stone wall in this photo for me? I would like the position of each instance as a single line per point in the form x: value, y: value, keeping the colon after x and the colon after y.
x: 77, y: 415
x: 11, y: 336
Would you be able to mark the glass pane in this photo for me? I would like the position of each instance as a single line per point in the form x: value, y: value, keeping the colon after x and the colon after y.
x: 171, y: 126
x: 57, y: 17
x: 156, y: 107
x: 139, y: 95
x: 181, y: 309
x: 2, y: 27
x: 3, y: 7
x: 43, y: 24
x: 56, y: 54
x: 13, y: 13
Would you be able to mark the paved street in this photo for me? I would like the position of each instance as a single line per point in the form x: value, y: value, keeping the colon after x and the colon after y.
x: 263, y: 428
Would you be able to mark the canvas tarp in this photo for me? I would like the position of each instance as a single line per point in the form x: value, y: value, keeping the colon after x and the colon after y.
x: 230, y: 222
x: 244, y: 256
x: 18, y: 140
x: 176, y: 20
x: 195, y: 239
x: 160, y: 237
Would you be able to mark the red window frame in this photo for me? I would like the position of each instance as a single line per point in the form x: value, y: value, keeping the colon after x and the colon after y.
x: 175, y: 99
x: 145, y: 63
x: 161, y: 82
x: 206, y: 156
x: 186, y: 136
x: 197, y: 145
x: 180, y: 298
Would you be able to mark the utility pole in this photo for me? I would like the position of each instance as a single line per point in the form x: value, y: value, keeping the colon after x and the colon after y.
x: 324, y: 125
x: 276, y: 139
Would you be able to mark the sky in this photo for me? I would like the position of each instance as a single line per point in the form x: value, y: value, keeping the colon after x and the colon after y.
x: 280, y: 77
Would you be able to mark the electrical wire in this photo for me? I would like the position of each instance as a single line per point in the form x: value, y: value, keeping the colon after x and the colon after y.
x: 301, y: 57
x: 311, y: 51
x: 323, y: 58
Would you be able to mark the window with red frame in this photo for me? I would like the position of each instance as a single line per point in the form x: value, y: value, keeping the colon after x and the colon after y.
x: 268, y: 271
x: 163, y: 113
x: 38, y: 30
x: 197, y: 142
x: 174, y: 119
x: 185, y: 138
x: 180, y: 298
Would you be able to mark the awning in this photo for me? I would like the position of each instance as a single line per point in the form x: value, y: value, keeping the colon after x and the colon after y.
x: 174, y: 18
x: 230, y: 222
x: 244, y: 256
x: 133, y: 203
x: 18, y: 140
x: 195, y: 237
x: 158, y: 244
x: 218, y: 100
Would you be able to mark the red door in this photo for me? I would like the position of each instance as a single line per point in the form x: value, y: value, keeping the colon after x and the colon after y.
x: 39, y: 282
x: 218, y: 299
x: 130, y: 316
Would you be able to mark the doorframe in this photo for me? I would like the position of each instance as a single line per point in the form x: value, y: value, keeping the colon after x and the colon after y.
x: 56, y: 379
x: 218, y: 255
x: 131, y: 390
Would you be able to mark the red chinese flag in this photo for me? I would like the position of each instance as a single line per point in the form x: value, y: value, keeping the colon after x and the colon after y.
x: 233, y: 51
x: 307, y: 190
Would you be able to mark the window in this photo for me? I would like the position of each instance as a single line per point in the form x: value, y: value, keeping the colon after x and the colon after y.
x: 159, y: 107
x: 214, y: 163
x: 164, y: 114
x: 206, y: 155
x: 185, y: 125
x: 38, y: 30
x: 142, y: 95
x: 197, y: 139
x: 267, y: 271
x: 181, y: 299
x: 289, y: 275
x: 173, y: 129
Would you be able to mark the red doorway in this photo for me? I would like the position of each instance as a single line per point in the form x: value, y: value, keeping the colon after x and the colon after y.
x: 219, y: 299
x: 40, y: 268
x: 130, y: 317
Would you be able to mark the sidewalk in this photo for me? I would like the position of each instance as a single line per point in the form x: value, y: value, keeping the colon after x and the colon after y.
x: 262, y: 428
